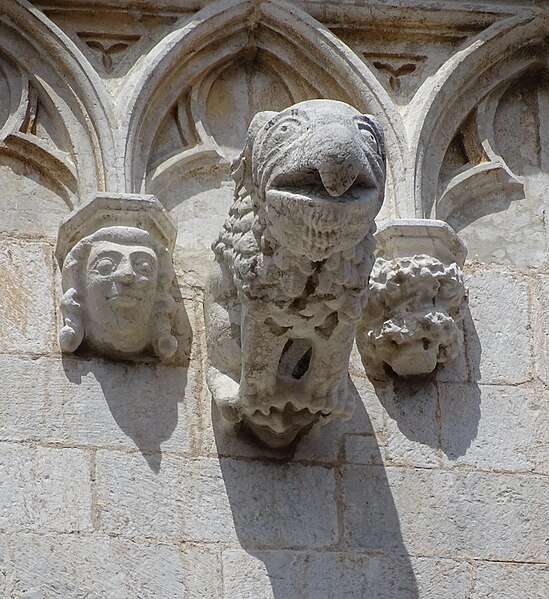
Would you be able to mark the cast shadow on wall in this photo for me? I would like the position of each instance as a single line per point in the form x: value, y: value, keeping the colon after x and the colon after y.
x: 313, y: 528
x: 440, y: 410
x: 143, y: 394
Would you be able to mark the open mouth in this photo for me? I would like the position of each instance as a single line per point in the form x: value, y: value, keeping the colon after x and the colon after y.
x: 280, y: 427
x: 123, y: 301
x: 308, y: 186
x: 306, y: 219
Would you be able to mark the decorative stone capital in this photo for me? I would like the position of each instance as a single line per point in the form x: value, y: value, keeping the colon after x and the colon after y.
x: 412, y: 320
x: 115, y: 255
x: 412, y: 236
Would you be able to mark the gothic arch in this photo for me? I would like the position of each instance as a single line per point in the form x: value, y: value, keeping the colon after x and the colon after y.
x: 61, y: 79
x: 190, y: 58
x: 468, y: 82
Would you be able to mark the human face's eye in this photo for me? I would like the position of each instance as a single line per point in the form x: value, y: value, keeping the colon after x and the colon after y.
x: 104, y: 266
x: 143, y: 265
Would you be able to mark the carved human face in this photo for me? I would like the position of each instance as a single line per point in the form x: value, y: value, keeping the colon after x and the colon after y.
x: 120, y: 295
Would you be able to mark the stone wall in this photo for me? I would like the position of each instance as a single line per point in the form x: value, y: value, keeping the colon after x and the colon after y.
x: 117, y: 478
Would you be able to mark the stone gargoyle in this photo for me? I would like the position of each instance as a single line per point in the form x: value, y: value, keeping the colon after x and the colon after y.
x: 115, y: 255
x: 292, y: 266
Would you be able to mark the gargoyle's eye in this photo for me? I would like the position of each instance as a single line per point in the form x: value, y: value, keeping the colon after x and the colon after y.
x: 287, y: 127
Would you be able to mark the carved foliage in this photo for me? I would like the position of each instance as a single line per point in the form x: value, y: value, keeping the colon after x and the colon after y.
x: 413, y: 316
x: 412, y: 320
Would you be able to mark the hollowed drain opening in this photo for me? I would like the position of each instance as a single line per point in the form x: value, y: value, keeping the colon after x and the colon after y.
x: 295, y: 359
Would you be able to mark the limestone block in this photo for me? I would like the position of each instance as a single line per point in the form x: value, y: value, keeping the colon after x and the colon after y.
x: 203, y: 571
x: 507, y: 581
x: 459, y: 515
x: 363, y: 449
x: 416, y: 300
x: 412, y: 428
x: 4, y: 560
x: 333, y: 575
x: 293, y: 261
x: 442, y: 578
x: 24, y: 409
x: 499, y: 345
x: 115, y: 255
x: 216, y: 501
x: 483, y: 516
x: 263, y: 505
x: 494, y: 428
x: 137, y: 501
x: 44, y: 489
x: 148, y: 406
x: 81, y: 567
x: 27, y: 321
x: 374, y: 520
x: 540, y: 325
x: 355, y: 576
x: 264, y: 574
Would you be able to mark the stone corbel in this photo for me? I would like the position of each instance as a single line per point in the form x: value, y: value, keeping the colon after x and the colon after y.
x: 292, y: 266
x: 115, y: 255
x: 416, y: 301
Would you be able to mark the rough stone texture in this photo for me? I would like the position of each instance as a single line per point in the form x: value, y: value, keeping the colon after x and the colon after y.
x: 505, y: 581
x: 292, y: 265
x: 68, y: 566
x: 26, y: 302
x: 45, y: 489
x: 502, y: 349
x: 118, y: 479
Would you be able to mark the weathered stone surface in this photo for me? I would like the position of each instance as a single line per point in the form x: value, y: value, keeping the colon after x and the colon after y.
x: 26, y: 303
x: 100, y: 404
x: 332, y: 575
x: 4, y: 564
x: 260, y: 505
x: 264, y: 574
x: 540, y: 325
x: 216, y: 501
x: 44, y: 489
x: 105, y: 568
x: 412, y: 429
x: 363, y: 449
x: 493, y: 428
x: 293, y: 261
x: 507, y: 581
x: 24, y: 411
x: 456, y: 515
x: 499, y: 346
x: 115, y: 255
x: 441, y: 578
x: 137, y: 500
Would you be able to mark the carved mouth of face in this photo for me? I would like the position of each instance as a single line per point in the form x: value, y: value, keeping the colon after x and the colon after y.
x: 280, y: 427
x: 123, y: 301
x: 306, y: 219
